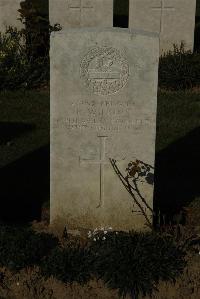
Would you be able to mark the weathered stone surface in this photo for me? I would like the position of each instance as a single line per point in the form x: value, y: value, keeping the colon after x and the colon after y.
x: 81, y: 13
x: 173, y: 19
x: 9, y: 14
x: 103, y: 110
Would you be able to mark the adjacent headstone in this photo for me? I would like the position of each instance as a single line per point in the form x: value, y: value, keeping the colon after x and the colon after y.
x: 9, y: 14
x: 173, y: 19
x: 103, y: 123
x: 81, y: 13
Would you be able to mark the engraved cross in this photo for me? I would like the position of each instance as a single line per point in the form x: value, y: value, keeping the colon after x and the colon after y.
x: 162, y: 9
x: 101, y: 162
x: 80, y: 6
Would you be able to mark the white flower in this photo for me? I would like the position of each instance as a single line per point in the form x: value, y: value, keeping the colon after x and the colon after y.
x: 104, y: 238
x: 105, y: 232
x: 94, y: 239
x: 17, y: 283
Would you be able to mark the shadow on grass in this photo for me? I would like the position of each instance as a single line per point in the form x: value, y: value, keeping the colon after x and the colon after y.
x: 177, y: 174
x: 197, y: 34
x: 24, y: 186
x: 10, y: 130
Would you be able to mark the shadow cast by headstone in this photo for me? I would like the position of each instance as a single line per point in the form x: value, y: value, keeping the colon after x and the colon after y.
x: 10, y: 130
x: 24, y: 187
x: 197, y: 35
x: 177, y: 175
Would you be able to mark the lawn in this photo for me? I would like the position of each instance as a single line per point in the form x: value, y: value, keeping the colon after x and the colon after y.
x: 24, y: 152
x: 24, y: 137
x: 178, y: 113
x: 24, y: 120
x: 24, y: 123
x: 24, y: 174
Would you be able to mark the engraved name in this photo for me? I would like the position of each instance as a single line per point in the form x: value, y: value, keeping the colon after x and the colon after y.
x: 105, y: 115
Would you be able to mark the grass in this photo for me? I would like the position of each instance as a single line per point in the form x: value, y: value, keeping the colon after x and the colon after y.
x: 24, y: 152
x: 178, y: 113
x: 177, y: 153
x: 25, y: 119
x: 24, y: 123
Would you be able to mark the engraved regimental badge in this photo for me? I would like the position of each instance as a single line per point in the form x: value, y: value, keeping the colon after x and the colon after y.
x: 104, y: 70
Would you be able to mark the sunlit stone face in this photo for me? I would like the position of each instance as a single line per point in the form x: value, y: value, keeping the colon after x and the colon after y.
x: 103, y: 121
x: 173, y: 19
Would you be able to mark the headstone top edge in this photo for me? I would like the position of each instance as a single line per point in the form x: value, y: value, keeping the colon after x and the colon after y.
x: 114, y: 29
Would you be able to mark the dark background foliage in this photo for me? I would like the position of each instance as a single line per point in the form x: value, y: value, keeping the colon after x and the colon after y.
x: 179, y: 69
x: 34, y: 15
x: 24, y: 57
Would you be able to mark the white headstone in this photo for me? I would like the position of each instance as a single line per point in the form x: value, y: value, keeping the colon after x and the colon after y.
x: 173, y: 19
x: 81, y: 13
x: 103, y: 118
x: 9, y: 14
